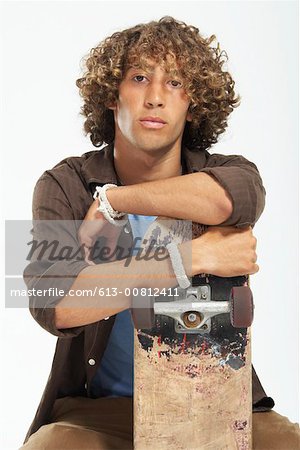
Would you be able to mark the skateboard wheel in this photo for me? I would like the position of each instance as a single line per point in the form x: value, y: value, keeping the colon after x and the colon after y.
x: 142, y: 311
x: 241, y: 307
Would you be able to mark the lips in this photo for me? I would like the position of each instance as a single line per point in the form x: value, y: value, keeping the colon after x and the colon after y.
x: 152, y: 122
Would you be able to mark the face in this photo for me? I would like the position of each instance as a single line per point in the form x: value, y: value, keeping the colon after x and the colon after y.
x: 152, y: 109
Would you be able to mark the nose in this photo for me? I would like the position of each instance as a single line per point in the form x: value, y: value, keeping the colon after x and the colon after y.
x: 154, y: 97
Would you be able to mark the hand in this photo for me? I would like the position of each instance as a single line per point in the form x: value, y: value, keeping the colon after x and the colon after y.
x: 225, y: 252
x: 94, y: 225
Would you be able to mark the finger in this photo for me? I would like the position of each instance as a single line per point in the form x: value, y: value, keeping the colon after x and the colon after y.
x: 255, y: 269
x: 86, y: 241
x: 90, y: 262
x: 87, y: 255
x: 254, y: 257
x: 254, y: 240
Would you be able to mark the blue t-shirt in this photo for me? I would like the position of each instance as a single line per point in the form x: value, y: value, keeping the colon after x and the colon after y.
x: 114, y: 376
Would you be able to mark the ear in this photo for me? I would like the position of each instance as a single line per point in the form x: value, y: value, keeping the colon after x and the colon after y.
x: 189, y: 117
x: 112, y: 106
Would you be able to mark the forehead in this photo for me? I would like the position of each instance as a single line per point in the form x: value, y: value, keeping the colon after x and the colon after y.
x: 167, y: 63
x: 150, y: 68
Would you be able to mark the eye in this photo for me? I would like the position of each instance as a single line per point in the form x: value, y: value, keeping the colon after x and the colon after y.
x: 139, y: 78
x: 175, y: 83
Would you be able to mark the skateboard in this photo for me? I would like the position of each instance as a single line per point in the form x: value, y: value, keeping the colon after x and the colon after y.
x: 192, y: 362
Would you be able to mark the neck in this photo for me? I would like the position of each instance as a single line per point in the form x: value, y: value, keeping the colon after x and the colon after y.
x: 135, y: 166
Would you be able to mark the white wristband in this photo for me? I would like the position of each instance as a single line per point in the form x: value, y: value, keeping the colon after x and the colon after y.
x: 106, y: 209
x: 177, y: 265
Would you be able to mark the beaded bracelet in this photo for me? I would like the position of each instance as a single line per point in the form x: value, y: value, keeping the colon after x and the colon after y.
x: 106, y: 209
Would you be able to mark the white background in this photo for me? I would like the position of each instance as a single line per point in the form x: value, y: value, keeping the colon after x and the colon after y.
x: 43, y: 45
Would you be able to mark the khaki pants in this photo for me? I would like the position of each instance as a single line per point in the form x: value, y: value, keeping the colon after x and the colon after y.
x: 81, y: 423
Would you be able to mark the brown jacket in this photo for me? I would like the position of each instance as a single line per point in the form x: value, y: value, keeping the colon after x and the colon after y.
x: 65, y: 193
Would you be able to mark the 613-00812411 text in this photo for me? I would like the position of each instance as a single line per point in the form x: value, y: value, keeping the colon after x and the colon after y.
x: 97, y: 291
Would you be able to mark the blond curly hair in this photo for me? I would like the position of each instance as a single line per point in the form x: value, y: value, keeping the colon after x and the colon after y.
x: 181, y: 50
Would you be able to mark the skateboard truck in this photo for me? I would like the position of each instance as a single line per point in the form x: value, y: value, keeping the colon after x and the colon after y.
x: 193, y: 309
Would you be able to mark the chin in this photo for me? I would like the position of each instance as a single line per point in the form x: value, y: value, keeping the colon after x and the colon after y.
x: 153, y: 146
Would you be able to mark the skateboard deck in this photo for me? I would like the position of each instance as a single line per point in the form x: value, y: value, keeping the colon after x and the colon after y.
x: 192, y: 387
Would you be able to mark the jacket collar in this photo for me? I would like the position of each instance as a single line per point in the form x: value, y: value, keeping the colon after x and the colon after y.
x: 99, y: 165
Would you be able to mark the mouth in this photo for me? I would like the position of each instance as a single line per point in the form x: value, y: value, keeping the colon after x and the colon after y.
x: 152, y: 122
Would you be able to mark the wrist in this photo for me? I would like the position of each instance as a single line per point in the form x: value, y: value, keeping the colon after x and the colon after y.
x: 192, y: 261
x: 112, y: 215
x: 114, y: 197
x: 154, y: 270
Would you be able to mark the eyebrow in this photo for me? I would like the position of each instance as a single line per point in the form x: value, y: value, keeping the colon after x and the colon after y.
x: 151, y: 70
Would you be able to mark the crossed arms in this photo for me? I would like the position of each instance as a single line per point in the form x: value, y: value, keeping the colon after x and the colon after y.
x: 229, y: 194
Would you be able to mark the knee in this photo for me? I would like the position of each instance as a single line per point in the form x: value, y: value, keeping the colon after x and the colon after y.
x: 273, y: 431
x: 48, y: 437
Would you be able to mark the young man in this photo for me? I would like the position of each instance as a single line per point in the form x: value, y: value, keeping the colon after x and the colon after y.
x: 156, y: 94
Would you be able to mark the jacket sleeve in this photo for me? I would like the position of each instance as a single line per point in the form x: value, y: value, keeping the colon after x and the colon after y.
x: 241, y: 179
x: 55, y: 259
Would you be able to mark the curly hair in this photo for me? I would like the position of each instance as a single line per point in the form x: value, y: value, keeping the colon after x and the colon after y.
x: 181, y: 50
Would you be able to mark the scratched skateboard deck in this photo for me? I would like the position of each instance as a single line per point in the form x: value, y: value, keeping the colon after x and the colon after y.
x: 192, y: 389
